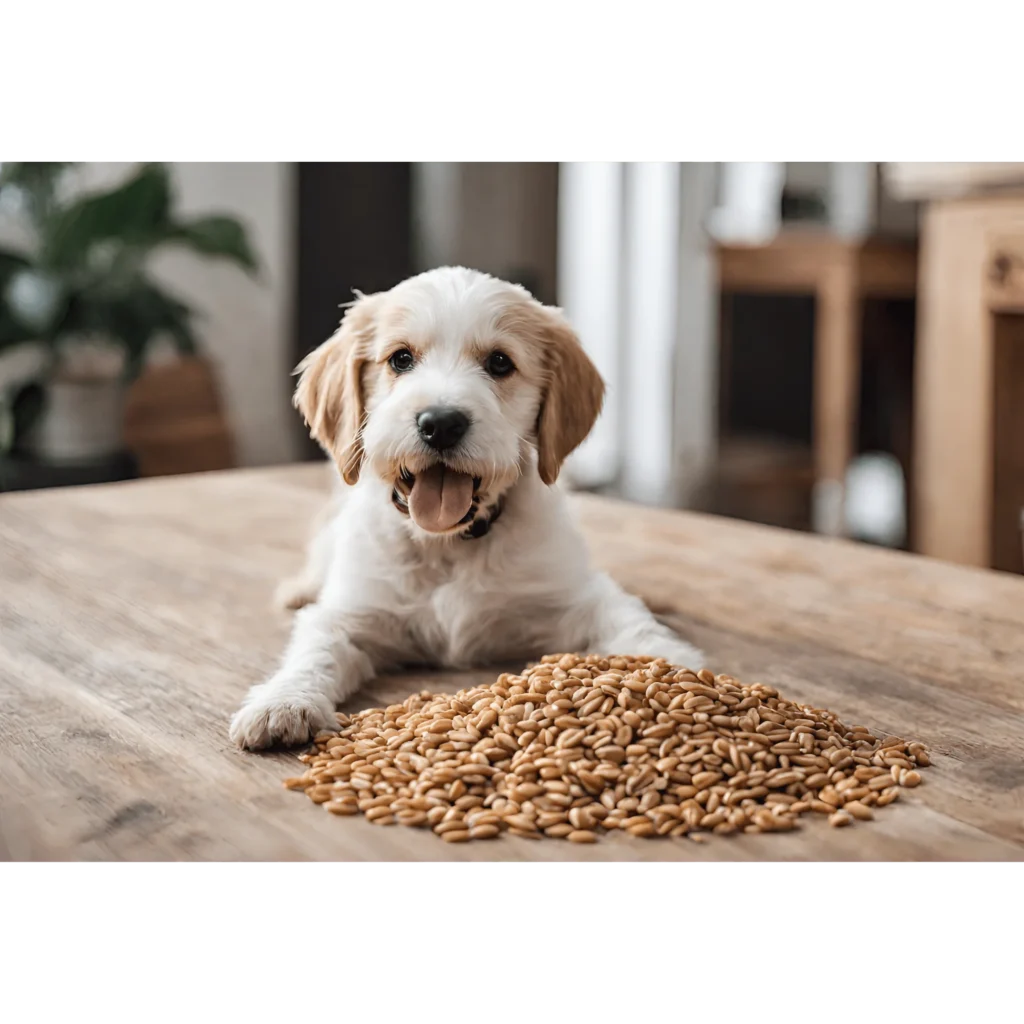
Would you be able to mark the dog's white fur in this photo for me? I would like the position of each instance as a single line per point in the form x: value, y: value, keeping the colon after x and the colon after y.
x: 380, y: 592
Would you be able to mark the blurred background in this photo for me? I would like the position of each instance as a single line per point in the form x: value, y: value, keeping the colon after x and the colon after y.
x: 830, y: 347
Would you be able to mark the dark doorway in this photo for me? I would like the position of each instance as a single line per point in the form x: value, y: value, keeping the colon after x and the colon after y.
x: 1008, y: 434
x: 354, y: 231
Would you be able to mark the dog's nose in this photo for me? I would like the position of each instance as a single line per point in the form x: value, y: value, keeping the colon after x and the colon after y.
x: 441, y: 427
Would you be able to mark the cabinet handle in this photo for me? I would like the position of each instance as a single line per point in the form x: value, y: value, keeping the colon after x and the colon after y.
x: 1000, y: 269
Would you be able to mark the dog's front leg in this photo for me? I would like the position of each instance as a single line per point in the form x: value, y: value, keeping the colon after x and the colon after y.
x: 623, y: 624
x: 321, y: 667
x: 304, y: 588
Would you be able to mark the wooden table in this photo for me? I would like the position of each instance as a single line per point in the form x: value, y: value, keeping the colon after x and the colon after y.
x: 134, y: 616
x: 840, y: 275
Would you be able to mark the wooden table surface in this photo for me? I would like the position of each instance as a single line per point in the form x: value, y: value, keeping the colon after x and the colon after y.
x: 133, y: 617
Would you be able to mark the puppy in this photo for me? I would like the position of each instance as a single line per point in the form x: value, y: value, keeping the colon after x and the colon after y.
x: 448, y: 405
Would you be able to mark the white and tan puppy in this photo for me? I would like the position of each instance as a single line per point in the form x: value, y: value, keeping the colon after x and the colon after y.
x: 448, y: 405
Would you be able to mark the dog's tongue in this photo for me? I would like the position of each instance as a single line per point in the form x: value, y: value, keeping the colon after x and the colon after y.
x: 440, y: 497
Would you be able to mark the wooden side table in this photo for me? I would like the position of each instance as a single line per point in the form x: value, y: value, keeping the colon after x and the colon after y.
x: 840, y: 275
x: 969, y: 386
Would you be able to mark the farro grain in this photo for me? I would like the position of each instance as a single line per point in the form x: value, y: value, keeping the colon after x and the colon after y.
x: 576, y: 746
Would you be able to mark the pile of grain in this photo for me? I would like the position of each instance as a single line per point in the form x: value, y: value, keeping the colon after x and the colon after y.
x: 575, y: 745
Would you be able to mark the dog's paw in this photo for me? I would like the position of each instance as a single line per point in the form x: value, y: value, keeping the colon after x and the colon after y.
x: 675, y: 651
x: 660, y: 643
x: 680, y: 653
x: 290, y: 719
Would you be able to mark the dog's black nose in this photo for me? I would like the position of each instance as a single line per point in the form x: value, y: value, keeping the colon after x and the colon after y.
x: 441, y: 427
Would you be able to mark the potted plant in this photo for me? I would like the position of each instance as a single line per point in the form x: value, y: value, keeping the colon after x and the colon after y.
x: 81, y: 294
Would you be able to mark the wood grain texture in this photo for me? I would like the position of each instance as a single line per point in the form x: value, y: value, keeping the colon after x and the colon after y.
x: 133, y: 617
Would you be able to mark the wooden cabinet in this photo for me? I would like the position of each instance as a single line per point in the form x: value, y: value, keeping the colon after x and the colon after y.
x: 969, y: 386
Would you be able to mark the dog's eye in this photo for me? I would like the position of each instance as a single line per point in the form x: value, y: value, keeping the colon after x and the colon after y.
x: 402, y: 360
x: 497, y: 364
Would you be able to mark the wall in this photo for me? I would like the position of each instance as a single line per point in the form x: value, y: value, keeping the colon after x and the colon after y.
x: 498, y: 218
x: 808, y: 176
x: 246, y: 325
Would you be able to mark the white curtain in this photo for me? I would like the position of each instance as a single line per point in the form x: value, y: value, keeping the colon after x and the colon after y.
x: 636, y: 279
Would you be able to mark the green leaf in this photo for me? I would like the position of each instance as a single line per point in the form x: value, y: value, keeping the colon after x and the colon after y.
x: 217, y: 236
x: 166, y: 314
x: 136, y: 213
x: 133, y: 316
x: 89, y: 275
x: 31, y: 176
x: 35, y: 299
x: 11, y: 262
x: 183, y: 335
x: 13, y: 331
x: 36, y: 185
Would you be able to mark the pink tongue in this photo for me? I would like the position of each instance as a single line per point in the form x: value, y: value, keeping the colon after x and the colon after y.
x: 440, y: 497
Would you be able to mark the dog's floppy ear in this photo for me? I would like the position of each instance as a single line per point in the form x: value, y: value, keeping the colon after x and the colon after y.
x: 572, y: 399
x: 330, y: 390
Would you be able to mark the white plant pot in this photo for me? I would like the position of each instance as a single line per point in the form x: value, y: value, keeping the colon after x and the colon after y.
x: 81, y: 419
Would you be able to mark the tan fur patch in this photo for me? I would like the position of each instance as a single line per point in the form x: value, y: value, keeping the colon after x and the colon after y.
x: 331, y: 390
x: 573, y: 395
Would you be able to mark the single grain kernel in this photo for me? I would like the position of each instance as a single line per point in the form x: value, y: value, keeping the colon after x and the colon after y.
x: 483, y: 832
x: 858, y: 810
x: 531, y: 834
x: 559, y: 831
x: 341, y: 807
x: 521, y: 821
x: 454, y: 825
x: 642, y: 828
